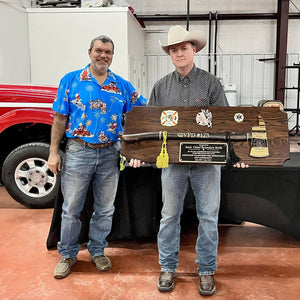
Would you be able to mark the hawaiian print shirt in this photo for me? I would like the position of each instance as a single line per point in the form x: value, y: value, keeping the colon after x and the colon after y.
x: 95, y: 111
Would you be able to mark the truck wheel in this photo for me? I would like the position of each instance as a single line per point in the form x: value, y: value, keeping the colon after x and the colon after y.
x: 27, y: 177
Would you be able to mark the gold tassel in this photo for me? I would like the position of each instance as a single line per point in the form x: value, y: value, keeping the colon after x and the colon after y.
x: 162, y: 160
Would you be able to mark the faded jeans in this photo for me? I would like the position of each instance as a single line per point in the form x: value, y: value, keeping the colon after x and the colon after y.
x: 81, y: 165
x: 205, y: 183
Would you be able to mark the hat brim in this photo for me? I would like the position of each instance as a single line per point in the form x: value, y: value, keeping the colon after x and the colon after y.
x: 196, y: 37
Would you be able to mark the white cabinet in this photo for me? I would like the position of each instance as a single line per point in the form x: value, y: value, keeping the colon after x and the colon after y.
x: 59, y: 39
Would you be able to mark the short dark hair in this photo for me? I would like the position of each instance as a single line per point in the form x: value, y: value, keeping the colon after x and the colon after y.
x: 104, y: 39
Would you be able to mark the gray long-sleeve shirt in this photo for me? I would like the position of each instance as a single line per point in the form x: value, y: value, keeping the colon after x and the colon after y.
x: 198, y: 88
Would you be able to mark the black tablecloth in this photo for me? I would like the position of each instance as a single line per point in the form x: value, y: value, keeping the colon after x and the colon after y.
x: 265, y: 195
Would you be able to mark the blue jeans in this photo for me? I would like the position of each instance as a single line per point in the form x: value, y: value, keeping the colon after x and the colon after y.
x: 81, y: 165
x: 205, y: 183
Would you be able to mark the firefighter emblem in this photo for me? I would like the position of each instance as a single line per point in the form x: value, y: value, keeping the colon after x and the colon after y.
x: 169, y: 118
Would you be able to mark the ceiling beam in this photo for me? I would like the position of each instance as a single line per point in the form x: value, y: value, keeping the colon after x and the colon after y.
x: 205, y: 17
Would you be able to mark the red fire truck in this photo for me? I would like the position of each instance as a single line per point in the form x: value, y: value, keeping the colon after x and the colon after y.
x: 25, y: 126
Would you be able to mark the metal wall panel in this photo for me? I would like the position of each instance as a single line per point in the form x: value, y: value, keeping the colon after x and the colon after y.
x: 254, y: 79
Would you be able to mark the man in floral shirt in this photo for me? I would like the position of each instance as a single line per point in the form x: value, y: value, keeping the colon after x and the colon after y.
x: 89, y: 106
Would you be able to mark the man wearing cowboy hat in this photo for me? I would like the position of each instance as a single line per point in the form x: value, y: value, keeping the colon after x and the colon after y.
x: 188, y: 86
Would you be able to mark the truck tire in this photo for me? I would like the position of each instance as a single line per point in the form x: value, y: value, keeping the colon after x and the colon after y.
x: 27, y: 177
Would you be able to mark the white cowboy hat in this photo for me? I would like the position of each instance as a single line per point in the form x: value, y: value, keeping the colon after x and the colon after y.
x: 177, y: 35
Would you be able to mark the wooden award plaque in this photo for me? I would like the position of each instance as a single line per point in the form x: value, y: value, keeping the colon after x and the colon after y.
x: 259, y: 135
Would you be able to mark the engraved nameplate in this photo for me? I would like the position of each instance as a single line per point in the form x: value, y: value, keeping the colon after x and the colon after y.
x: 203, y: 152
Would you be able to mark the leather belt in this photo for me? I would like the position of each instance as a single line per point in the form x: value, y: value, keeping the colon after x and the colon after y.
x: 93, y: 146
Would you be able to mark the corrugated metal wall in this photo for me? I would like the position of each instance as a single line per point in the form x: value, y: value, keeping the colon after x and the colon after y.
x: 252, y: 78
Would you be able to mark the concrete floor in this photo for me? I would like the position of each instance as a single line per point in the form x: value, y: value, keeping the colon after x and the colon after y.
x: 254, y: 262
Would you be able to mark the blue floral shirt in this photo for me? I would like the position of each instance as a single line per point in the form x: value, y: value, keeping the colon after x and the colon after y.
x: 95, y: 111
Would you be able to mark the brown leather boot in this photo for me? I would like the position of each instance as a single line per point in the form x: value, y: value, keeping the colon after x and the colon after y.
x: 207, y: 285
x: 166, y: 281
